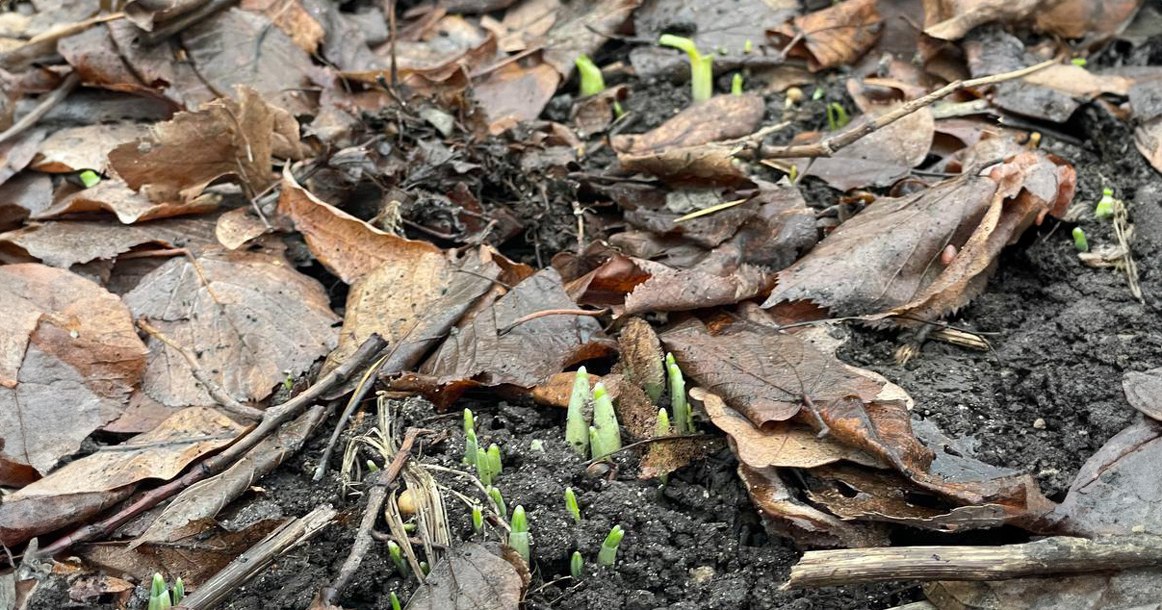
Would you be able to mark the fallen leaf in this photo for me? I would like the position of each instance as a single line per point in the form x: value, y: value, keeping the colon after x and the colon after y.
x: 469, y: 578
x: 67, y: 243
x: 239, y: 227
x: 704, y: 165
x: 69, y: 355
x: 351, y: 248
x: 292, y: 18
x: 77, y: 490
x: 249, y: 316
x: 719, y: 279
x: 515, y: 93
x: 95, y: 57
x: 581, y: 28
x: 879, y: 158
x: 887, y: 258
x: 76, y: 148
x: 154, y: 64
x: 834, y: 36
x: 18, y: 152
x: 721, y: 117
x: 129, y: 206
x: 22, y: 196
x: 641, y: 357
x: 1144, y: 391
x: 227, y: 138
x: 526, y: 354
x: 1137, y: 589
x: 89, y: 588
x: 952, y: 19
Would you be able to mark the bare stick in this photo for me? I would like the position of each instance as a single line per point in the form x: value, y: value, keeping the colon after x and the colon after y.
x: 217, y: 392
x: 272, y: 419
x: 47, y: 103
x: 365, y: 384
x: 257, y: 558
x: 831, y: 145
x: 381, y: 483
x: 1048, y: 556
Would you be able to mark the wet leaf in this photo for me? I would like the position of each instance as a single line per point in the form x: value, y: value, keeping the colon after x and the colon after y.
x: 721, y: 117
x: 834, y: 36
x: 528, y: 354
x: 887, y: 259
x: 1144, y: 391
x: 351, y: 248
x: 75, y: 491
x: 249, y: 316
x: 67, y: 243
x: 469, y: 578
x: 69, y: 355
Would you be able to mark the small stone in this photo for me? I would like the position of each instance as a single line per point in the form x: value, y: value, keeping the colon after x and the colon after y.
x: 1039, y: 423
x: 701, y: 574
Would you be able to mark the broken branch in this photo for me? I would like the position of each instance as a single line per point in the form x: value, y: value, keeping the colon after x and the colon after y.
x: 1055, y: 555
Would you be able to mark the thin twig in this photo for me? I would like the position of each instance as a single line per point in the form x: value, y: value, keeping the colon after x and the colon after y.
x: 831, y: 145
x: 257, y: 558
x: 380, y: 484
x: 647, y: 441
x: 365, y: 384
x: 217, y: 392
x: 47, y: 103
x: 1049, y: 556
x: 551, y: 312
x: 273, y: 419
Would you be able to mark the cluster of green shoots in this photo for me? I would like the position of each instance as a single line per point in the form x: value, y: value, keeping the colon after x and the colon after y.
x: 604, y: 436
x: 1104, y: 210
x: 486, y: 461
x: 608, y: 553
x: 160, y: 596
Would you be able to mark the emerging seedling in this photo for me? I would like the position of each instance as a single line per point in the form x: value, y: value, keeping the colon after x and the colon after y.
x: 683, y: 421
x: 576, y: 565
x: 469, y: 438
x: 701, y: 66
x: 837, y: 117
x: 477, y: 519
x: 571, y: 504
x: 662, y: 428
x: 518, y: 538
x: 179, y: 591
x: 483, y: 467
x: 89, y: 178
x: 396, y: 554
x: 494, y: 459
x: 592, y: 82
x: 1105, y: 205
x: 159, y: 598
x: 736, y: 84
x: 498, y: 502
x: 608, y: 553
x: 395, y: 603
x: 606, y: 430
x: 576, y: 430
x: 1079, y: 240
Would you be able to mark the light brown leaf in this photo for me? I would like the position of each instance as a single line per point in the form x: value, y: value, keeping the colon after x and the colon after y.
x: 641, y: 357
x: 227, y: 138
x: 721, y: 117
x: 249, y: 316
x: 292, y: 18
x: 887, y: 259
x: 581, y: 28
x: 716, y: 280
x: 69, y: 355
x: 831, y: 37
x: 515, y: 94
x: 129, y: 206
x: 952, y: 19
x: 67, y: 243
x: 73, y: 149
x: 348, y: 247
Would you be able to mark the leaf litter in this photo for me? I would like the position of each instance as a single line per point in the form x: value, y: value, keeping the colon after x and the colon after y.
x: 280, y: 182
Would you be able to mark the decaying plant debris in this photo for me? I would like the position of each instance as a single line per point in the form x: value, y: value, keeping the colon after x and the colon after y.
x: 295, y: 294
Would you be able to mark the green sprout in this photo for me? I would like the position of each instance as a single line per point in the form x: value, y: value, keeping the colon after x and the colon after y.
x: 817, y: 94
x: 470, y: 445
x: 592, y: 82
x: 662, y: 427
x: 498, y: 502
x: 89, y: 178
x: 494, y: 459
x: 1079, y: 62
x: 425, y: 568
x: 683, y: 421
x: 736, y: 84
x: 409, y: 527
x: 701, y: 66
x: 1105, y: 205
x: 576, y: 564
x: 605, y: 430
x: 1079, y: 240
x: 395, y: 603
x: 576, y: 429
x: 608, y: 552
x: 372, y: 466
x: 477, y: 518
x: 483, y: 467
x: 518, y: 538
x: 837, y: 117
x: 469, y: 421
x: 571, y: 504
x: 747, y: 46
x: 288, y: 384
x: 179, y: 591
x: 396, y: 554
x: 158, y: 594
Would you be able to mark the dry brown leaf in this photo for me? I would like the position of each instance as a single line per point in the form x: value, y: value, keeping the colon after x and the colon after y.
x: 227, y: 138
x: 469, y: 578
x: 18, y: 152
x: 67, y: 243
x: 641, y: 357
x: 528, y: 354
x: 351, y: 248
x: 129, y: 206
x: 718, y: 279
x: 154, y: 64
x: 239, y: 227
x: 514, y: 94
x: 24, y: 195
x: 76, y: 148
x: 887, y: 259
x: 249, y: 316
x: 721, y: 117
x: 96, y: 59
x: 581, y: 27
x: 68, y: 494
x: 834, y: 36
x: 879, y: 158
x: 69, y: 355
x: 952, y: 19
x: 235, y: 48
x: 704, y: 165
x: 292, y: 18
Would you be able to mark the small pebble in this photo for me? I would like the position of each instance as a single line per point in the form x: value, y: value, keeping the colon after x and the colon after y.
x: 701, y: 574
x: 1039, y: 423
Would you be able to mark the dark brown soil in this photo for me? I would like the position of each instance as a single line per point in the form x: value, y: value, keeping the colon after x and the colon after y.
x: 1042, y: 401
